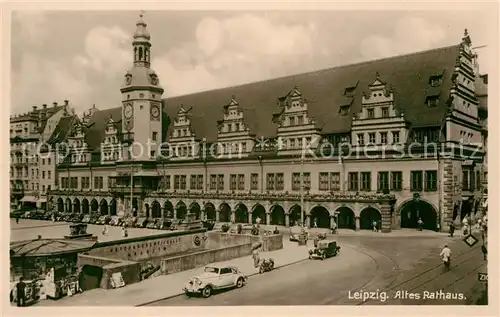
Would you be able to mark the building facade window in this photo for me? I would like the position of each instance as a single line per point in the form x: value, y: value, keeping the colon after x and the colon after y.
x: 416, y: 181
x: 192, y: 182
x: 397, y: 181
x: 324, y: 181
x: 254, y: 181
x: 366, y: 181
x: 472, y: 180
x: 361, y: 139
x: 295, y: 181
x: 431, y: 181
x: 465, y: 180
x: 177, y: 182
x: 241, y: 182
x: 220, y: 182
x: 383, y: 181
x: 335, y: 181
x: 307, y: 180
x: 213, y: 182
x: 167, y: 182
x: 353, y: 181
x: 371, y: 113
x: 383, y: 137
x: 371, y: 138
x: 385, y: 112
x: 199, y: 182
x: 232, y: 182
x: 270, y: 181
x: 395, y: 137
x: 280, y: 181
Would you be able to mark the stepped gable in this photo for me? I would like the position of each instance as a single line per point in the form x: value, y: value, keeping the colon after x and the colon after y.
x: 408, y: 76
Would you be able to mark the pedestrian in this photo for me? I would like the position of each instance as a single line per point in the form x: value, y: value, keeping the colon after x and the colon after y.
x: 446, y: 255
x: 375, y: 226
x: 276, y: 231
x: 452, y: 229
x: 420, y: 224
x: 485, y: 252
x: 21, y: 292
x: 256, y: 257
x: 334, y: 226
x: 17, y: 218
x: 124, y: 232
x: 257, y: 221
x: 105, y: 230
x: 315, y: 225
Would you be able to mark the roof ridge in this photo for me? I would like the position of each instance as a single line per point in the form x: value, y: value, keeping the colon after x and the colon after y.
x: 321, y: 70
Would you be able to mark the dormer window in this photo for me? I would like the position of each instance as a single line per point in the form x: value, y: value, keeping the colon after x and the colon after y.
x: 349, y: 92
x: 237, y: 127
x: 371, y: 113
x: 432, y: 101
x: 292, y: 120
x: 344, y: 110
x: 435, y: 81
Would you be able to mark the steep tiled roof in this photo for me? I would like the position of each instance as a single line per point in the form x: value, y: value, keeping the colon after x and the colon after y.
x: 408, y: 76
x: 44, y: 247
x: 62, y: 129
x: 96, y: 131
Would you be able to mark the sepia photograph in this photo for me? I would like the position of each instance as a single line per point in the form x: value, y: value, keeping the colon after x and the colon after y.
x: 168, y: 158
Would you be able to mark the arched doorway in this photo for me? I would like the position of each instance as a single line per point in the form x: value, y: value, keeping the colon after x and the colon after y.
x: 196, y: 210
x: 224, y: 213
x: 466, y: 209
x: 60, y: 205
x: 181, y: 210
x: 414, y: 209
x: 295, y: 215
x: 241, y: 214
x: 104, y: 207
x: 210, y: 211
x: 76, y: 206
x: 346, y: 218
x: 277, y: 215
x: 112, y: 207
x: 68, y: 205
x: 94, y: 205
x: 85, y: 206
x: 320, y: 216
x: 259, y: 211
x: 168, y: 210
x: 155, y: 210
x: 367, y: 217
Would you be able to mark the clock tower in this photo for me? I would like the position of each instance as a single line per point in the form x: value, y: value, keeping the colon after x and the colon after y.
x: 142, y: 100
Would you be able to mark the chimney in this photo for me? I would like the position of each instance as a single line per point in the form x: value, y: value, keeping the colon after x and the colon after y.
x: 66, y: 102
x: 44, y: 106
x: 54, y: 104
x: 34, y: 108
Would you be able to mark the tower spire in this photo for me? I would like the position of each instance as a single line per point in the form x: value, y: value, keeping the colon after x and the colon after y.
x: 141, y: 43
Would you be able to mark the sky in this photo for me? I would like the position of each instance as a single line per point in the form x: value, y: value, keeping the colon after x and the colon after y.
x: 82, y: 56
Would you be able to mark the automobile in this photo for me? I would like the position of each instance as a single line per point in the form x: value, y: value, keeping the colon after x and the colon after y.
x: 152, y: 223
x: 115, y: 221
x: 175, y: 224
x: 86, y: 219
x: 131, y: 222
x: 325, y: 249
x: 215, y: 278
x: 48, y: 215
x: 208, y: 224
x: 141, y: 222
x: 103, y: 220
x: 29, y: 214
x: 93, y: 218
x: 67, y: 217
x: 163, y: 224
x: 77, y: 218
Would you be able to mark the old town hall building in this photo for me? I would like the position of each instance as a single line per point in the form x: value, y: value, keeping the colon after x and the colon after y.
x: 394, y: 139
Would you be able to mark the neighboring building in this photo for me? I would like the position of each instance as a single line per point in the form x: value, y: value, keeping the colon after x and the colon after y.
x: 234, y: 154
x: 32, y: 173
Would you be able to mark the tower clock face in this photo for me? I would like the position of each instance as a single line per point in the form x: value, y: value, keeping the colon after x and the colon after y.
x: 128, y: 111
x: 155, y: 111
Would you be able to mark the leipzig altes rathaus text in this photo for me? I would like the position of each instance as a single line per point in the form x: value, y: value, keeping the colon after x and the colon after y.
x: 393, y: 139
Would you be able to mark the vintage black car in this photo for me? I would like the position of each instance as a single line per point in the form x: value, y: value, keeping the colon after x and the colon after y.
x: 115, y: 221
x: 86, y: 219
x: 208, y: 224
x: 164, y: 224
x: 141, y: 223
x: 152, y: 223
x: 93, y: 218
x: 131, y: 222
x: 324, y: 249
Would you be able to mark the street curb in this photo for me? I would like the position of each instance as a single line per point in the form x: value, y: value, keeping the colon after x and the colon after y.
x: 253, y: 274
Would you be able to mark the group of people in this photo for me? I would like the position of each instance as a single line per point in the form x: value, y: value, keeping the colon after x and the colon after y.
x: 105, y: 230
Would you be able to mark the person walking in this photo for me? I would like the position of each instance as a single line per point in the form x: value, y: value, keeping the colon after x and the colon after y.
x: 446, y: 255
x: 17, y: 218
x: 334, y: 226
x: 124, y: 232
x: 105, y: 230
x: 374, y: 223
x: 420, y: 224
x: 21, y: 292
x: 452, y: 229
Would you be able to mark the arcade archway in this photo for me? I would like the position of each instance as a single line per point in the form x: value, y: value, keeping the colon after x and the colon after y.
x: 112, y: 207
x: 155, y: 209
x: 412, y: 210
x: 94, y: 205
x: 76, y: 206
x: 295, y: 215
x: 210, y: 211
x: 277, y: 215
x: 196, y: 210
x: 259, y: 211
x: 85, y: 206
x: 346, y: 218
x: 320, y: 217
x: 224, y: 213
x: 104, y: 207
x: 168, y: 210
x: 241, y: 214
x: 181, y: 210
x: 367, y: 217
x: 60, y: 205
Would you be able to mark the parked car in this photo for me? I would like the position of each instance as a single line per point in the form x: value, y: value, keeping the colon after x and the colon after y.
x: 131, y: 222
x: 175, y: 224
x: 93, y: 218
x: 163, y: 224
x: 325, y: 249
x: 48, y: 215
x: 86, y: 219
x: 141, y: 222
x: 215, y: 278
x: 152, y: 223
x: 115, y: 221
x: 77, y: 218
x: 208, y: 224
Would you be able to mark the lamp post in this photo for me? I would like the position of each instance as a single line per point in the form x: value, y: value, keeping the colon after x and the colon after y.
x: 303, y: 234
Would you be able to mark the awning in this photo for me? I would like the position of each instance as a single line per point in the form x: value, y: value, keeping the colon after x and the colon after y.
x: 31, y: 199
